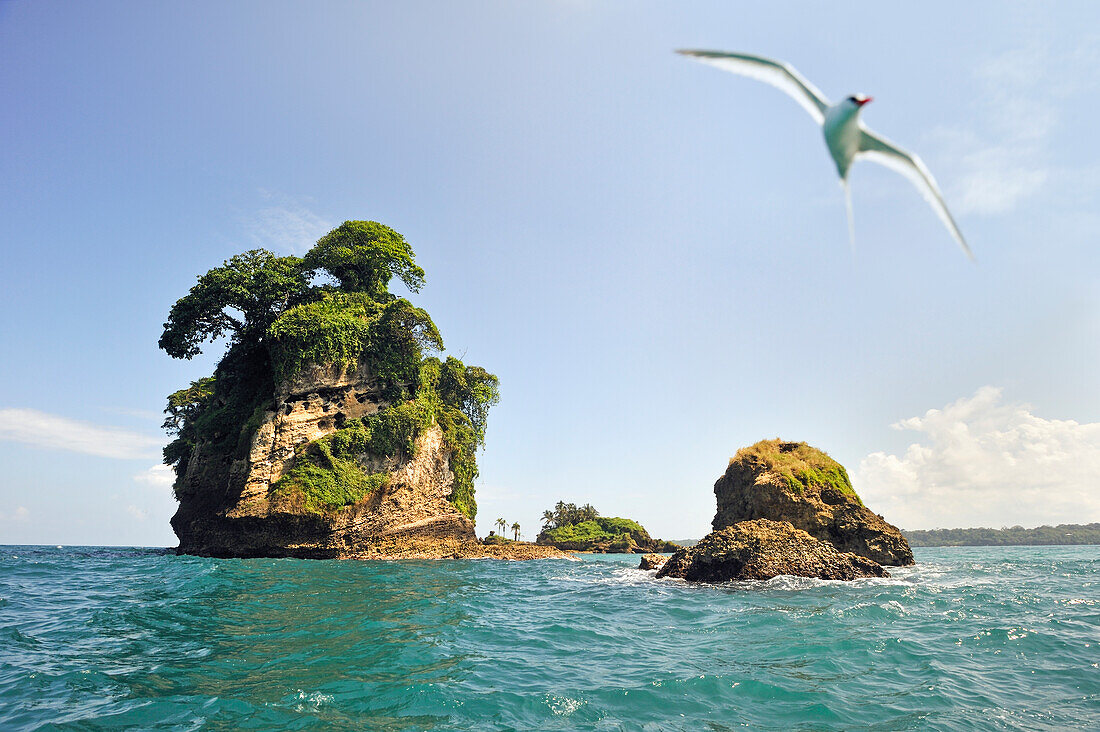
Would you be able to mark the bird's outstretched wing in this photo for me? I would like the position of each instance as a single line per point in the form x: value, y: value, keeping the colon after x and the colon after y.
x: 778, y: 74
x: 884, y: 152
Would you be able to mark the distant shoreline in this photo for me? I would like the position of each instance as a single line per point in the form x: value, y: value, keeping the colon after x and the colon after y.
x: 1061, y: 535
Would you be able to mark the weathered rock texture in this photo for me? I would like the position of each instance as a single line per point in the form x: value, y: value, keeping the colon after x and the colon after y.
x: 652, y: 561
x: 762, y: 549
x: 227, y: 509
x: 793, y: 482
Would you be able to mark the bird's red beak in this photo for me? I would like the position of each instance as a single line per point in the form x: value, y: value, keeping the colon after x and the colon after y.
x: 863, y: 101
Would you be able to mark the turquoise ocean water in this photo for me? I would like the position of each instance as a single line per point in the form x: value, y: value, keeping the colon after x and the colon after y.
x: 969, y: 639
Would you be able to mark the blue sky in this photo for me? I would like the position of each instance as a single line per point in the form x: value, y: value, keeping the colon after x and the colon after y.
x: 650, y: 253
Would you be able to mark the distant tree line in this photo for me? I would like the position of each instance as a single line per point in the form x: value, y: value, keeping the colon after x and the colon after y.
x: 1008, y: 536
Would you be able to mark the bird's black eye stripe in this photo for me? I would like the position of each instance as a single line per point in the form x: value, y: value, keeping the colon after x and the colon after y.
x: 852, y: 99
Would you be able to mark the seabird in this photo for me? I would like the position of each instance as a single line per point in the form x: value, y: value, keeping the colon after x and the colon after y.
x: 845, y: 135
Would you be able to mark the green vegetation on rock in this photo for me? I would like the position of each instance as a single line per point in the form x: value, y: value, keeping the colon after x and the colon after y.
x: 575, y: 528
x: 798, y: 465
x: 327, y: 477
x: 333, y: 330
x: 325, y: 472
x: 279, y: 321
x: 220, y: 412
x: 617, y: 533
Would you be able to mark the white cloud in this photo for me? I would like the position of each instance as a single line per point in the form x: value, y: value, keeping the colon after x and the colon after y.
x: 287, y: 225
x: 158, y: 476
x: 21, y: 513
x: 991, y: 179
x: 32, y: 427
x: 1008, y: 160
x: 985, y: 463
x: 137, y: 513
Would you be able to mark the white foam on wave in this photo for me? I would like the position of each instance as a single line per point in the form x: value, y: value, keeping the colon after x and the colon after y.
x: 619, y: 575
x: 311, y: 701
x: 563, y: 706
x: 930, y: 575
x: 891, y: 606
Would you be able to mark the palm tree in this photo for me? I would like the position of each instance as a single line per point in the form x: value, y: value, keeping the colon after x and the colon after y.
x: 547, y: 519
x: 502, y: 525
x: 515, y: 530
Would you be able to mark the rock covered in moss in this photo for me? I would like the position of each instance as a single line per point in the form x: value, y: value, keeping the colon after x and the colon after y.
x: 762, y: 549
x: 652, y: 561
x: 797, y: 483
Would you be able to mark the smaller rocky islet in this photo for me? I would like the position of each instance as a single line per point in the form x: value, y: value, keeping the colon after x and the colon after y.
x: 652, y: 561
x: 761, y: 549
x: 786, y: 508
x: 800, y: 484
x: 583, y: 530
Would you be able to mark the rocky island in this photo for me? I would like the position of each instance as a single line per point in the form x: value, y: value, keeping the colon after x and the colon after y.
x: 583, y: 529
x: 788, y: 508
x: 329, y: 429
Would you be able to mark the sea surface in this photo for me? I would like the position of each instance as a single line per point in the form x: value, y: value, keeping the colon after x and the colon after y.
x: 970, y: 639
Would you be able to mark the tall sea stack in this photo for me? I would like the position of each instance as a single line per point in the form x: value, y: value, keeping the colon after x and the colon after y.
x: 329, y: 428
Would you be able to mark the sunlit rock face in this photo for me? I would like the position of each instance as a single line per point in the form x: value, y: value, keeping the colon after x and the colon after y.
x: 228, y: 507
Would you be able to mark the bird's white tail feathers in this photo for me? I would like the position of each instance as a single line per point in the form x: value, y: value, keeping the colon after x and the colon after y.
x: 851, y: 216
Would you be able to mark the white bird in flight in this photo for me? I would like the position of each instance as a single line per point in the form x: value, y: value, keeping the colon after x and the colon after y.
x: 845, y: 135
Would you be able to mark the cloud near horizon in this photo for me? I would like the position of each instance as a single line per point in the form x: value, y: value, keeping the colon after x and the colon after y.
x: 49, y: 431
x: 981, y: 462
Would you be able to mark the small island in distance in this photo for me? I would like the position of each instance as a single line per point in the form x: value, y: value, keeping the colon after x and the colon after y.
x: 1063, y: 534
x: 582, y: 529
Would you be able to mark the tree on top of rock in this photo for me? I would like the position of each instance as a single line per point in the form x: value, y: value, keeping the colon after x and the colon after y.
x: 242, y: 298
x: 246, y: 295
x: 332, y: 308
x: 363, y: 256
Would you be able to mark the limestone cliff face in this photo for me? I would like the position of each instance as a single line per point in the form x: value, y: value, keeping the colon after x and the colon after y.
x: 227, y: 507
x: 793, y: 482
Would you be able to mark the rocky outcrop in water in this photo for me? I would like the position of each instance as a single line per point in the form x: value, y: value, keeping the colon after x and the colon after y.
x: 793, y: 482
x: 652, y: 561
x: 332, y: 425
x: 762, y: 549
x: 788, y: 508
